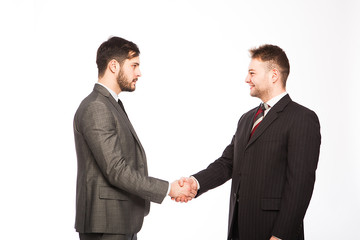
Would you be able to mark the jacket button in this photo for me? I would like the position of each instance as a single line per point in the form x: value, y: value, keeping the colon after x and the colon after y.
x: 236, y: 197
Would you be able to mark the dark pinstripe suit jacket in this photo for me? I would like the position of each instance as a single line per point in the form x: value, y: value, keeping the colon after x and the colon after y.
x: 273, y: 173
x: 113, y: 187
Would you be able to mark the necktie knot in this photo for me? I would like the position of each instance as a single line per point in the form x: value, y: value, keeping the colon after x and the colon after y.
x: 264, y: 106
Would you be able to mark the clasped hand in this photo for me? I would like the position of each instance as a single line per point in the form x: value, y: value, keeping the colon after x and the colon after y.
x: 183, y: 190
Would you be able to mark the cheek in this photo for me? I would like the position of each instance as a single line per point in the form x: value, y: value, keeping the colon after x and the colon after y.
x: 129, y: 76
x: 253, y: 80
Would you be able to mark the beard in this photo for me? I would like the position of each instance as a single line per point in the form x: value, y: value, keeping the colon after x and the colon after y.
x: 124, y: 84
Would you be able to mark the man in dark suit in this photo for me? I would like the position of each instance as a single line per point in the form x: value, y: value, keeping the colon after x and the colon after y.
x: 271, y: 159
x: 113, y: 187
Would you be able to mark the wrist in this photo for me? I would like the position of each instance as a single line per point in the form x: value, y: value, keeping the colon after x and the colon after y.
x: 196, y: 181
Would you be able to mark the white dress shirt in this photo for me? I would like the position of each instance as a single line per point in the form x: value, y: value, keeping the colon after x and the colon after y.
x: 273, y: 101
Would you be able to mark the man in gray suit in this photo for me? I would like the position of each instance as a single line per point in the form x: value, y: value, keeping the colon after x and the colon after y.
x: 114, y: 190
x: 271, y: 159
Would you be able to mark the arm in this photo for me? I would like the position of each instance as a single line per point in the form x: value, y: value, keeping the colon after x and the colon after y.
x: 214, y: 175
x: 303, y: 153
x: 110, y: 150
x: 218, y: 172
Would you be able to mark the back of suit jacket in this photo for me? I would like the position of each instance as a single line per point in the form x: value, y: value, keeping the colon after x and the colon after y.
x: 273, y: 172
x: 113, y: 187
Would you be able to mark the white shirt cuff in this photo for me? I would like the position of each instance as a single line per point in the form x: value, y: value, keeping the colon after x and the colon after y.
x: 198, y: 184
x: 168, y: 191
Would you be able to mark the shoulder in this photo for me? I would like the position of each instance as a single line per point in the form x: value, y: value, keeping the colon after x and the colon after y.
x: 95, y: 104
x: 300, y: 113
x: 300, y: 109
x: 93, y: 100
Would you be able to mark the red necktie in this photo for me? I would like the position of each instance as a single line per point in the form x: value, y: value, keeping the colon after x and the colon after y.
x: 259, y: 116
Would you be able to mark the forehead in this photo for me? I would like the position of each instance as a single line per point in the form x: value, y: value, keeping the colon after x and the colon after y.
x: 256, y: 64
x: 134, y: 60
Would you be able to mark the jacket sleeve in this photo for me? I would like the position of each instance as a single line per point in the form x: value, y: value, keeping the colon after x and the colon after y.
x: 101, y: 133
x: 303, y: 154
x: 218, y: 172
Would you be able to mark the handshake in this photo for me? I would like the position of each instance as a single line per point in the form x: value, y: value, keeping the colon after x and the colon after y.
x: 184, y: 189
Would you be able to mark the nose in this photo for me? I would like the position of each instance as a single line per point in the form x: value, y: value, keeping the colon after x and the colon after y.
x: 247, y: 79
x: 138, y: 72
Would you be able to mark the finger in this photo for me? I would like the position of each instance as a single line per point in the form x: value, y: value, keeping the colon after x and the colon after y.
x: 194, y: 192
x: 181, y: 182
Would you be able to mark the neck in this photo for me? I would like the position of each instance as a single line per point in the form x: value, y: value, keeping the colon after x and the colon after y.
x: 272, y: 94
x: 110, y: 83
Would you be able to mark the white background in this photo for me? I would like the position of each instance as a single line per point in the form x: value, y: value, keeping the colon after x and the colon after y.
x: 194, y: 59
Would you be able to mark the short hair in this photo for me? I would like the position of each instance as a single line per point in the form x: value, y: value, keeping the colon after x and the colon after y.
x: 115, y: 48
x: 275, y: 57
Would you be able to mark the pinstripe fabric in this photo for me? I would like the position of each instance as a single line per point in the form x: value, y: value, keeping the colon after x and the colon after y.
x: 272, y: 174
x: 113, y: 187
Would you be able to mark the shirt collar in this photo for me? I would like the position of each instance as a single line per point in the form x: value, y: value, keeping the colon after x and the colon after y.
x: 113, y: 94
x: 274, y: 100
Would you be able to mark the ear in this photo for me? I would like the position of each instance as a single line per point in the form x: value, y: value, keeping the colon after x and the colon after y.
x: 275, y: 75
x: 113, y: 66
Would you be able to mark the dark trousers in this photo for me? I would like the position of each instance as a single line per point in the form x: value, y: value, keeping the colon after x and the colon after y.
x: 104, y: 236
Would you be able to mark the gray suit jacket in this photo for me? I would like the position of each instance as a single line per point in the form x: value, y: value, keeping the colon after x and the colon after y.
x: 113, y: 187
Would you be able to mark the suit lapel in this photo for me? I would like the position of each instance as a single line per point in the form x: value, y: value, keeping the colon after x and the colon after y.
x: 268, y: 119
x: 249, y: 121
x: 124, y: 118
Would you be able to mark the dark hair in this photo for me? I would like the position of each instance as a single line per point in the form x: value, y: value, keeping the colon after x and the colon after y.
x: 275, y: 57
x: 115, y: 48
